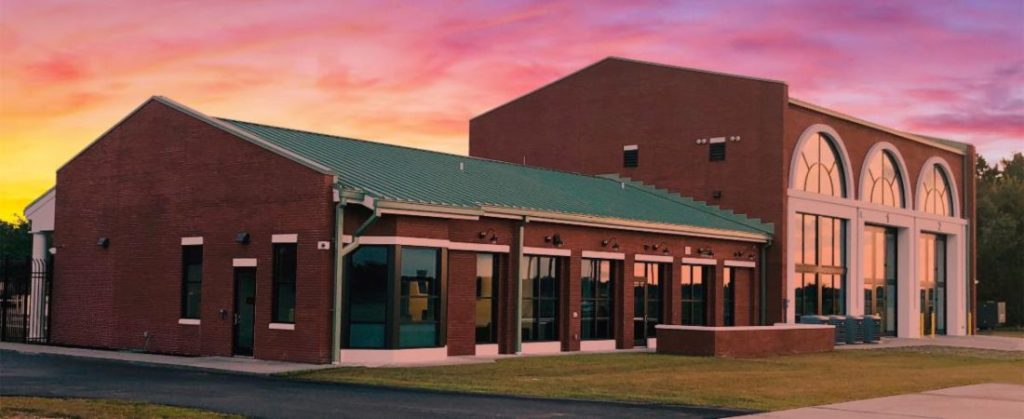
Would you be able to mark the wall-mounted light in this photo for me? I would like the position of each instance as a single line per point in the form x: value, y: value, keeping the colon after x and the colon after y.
x: 657, y: 246
x: 242, y: 238
x: 705, y: 251
x: 490, y: 232
x: 103, y: 242
x: 612, y: 241
x: 554, y: 239
x: 716, y: 194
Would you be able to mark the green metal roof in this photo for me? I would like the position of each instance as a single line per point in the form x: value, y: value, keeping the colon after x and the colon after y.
x: 402, y: 174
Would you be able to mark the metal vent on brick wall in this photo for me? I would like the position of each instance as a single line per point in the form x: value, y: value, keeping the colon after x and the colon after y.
x: 717, y: 152
x: 630, y: 158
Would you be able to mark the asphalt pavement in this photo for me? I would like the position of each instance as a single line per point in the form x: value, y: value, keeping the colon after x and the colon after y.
x: 25, y: 374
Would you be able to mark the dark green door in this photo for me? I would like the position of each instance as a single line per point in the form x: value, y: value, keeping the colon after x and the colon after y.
x: 245, y: 310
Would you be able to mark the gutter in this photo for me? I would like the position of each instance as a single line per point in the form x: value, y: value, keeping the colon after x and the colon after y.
x: 764, y: 282
x: 517, y: 275
x: 340, y: 251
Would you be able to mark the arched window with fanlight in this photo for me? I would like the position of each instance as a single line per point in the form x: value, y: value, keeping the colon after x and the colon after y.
x: 935, y: 194
x: 883, y: 181
x: 818, y: 167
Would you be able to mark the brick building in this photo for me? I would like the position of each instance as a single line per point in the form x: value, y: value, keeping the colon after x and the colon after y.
x: 176, y: 232
x: 869, y: 219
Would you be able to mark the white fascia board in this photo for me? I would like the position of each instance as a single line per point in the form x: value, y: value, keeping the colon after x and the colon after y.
x: 858, y: 121
x: 440, y: 243
x: 630, y: 225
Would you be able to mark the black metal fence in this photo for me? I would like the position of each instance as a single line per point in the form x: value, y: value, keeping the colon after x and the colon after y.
x: 25, y: 286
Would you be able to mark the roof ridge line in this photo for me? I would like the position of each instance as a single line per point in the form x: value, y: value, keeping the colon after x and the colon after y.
x: 404, y: 147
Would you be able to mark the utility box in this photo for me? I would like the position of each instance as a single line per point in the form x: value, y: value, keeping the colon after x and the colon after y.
x: 854, y: 329
x: 872, y: 329
x: 840, y: 324
x: 991, y: 314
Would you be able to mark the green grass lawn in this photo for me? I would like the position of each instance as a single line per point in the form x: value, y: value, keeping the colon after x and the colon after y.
x: 41, y: 407
x: 760, y: 384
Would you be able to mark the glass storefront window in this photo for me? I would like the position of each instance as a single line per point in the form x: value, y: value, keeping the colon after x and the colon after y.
x: 540, y: 299
x: 820, y: 265
x: 419, y: 297
x: 486, y: 307
x: 693, y: 292
x: 596, y: 309
x: 367, y: 280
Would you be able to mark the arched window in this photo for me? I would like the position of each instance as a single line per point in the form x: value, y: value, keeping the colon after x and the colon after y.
x: 883, y: 182
x: 818, y: 168
x: 935, y: 196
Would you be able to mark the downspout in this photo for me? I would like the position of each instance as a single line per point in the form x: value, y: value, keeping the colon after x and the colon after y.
x: 517, y: 276
x: 764, y: 281
x: 969, y: 179
x: 340, y: 251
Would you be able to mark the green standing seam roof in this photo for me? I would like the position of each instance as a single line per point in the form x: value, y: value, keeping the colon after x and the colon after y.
x: 403, y: 174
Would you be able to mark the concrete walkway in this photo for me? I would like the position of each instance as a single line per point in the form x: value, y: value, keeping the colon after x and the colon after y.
x: 989, y: 401
x: 998, y: 343
x: 229, y: 364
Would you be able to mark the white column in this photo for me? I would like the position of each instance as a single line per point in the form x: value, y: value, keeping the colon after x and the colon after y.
x: 956, y: 284
x: 908, y: 317
x: 37, y: 301
x: 855, y: 265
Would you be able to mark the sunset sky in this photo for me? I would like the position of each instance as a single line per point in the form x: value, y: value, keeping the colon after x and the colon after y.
x: 414, y: 73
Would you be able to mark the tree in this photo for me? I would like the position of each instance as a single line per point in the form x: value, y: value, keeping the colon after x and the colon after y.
x: 1000, y: 221
x: 15, y: 239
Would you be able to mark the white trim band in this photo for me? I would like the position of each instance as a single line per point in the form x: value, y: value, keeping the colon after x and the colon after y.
x: 653, y: 258
x: 243, y: 262
x: 282, y: 326
x: 478, y: 247
x: 192, y: 241
x: 284, y: 238
x: 416, y: 241
x: 587, y: 254
x: 189, y: 322
x: 544, y: 251
x: 740, y: 263
x: 699, y: 261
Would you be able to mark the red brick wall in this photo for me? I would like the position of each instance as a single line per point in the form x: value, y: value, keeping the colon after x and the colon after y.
x: 461, y: 289
x: 159, y: 176
x: 461, y: 303
x: 581, y: 122
x: 745, y: 343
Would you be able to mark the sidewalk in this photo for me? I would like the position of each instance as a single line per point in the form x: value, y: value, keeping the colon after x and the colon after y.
x: 228, y: 364
x: 997, y: 343
x: 990, y: 401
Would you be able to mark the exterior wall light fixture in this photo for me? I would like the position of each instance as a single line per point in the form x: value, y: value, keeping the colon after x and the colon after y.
x: 242, y: 238
x: 614, y: 243
x: 554, y: 239
x: 103, y: 242
x: 489, y: 231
